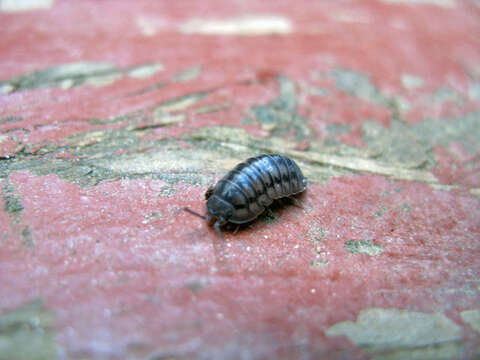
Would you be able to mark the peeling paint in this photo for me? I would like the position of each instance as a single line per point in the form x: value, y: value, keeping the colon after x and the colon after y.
x: 474, y: 91
x: 180, y: 103
x: 279, y: 117
x: 66, y: 76
x: 145, y: 71
x: 252, y: 25
x: 12, y: 203
x: 442, y: 3
x: 411, y: 81
x: 149, y: 26
x: 411, y: 146
x: 14, y: 6
x: 188, y: 74
x: 379, y: 330
x: 472, y: 318
x: 446, y: 351
x: 26, y: 333
x: 357, y: 84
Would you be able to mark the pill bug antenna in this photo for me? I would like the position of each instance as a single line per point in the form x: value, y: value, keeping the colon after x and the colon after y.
x: 195, y: 213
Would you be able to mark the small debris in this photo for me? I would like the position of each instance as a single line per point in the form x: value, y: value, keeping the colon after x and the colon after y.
x: 363, y: 247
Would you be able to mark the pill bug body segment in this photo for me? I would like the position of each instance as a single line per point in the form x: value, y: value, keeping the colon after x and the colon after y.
x: 245, y: 192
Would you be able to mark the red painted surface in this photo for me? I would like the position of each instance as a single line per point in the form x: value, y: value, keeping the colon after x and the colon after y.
x: 128, y: 273
x: 116, y: 277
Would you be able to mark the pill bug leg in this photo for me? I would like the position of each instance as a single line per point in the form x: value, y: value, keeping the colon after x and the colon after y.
x: 216, y: 226
x: 295, y: 202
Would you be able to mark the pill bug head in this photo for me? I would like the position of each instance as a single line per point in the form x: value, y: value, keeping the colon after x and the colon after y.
x: 219, y: 209
x: 218, y: 213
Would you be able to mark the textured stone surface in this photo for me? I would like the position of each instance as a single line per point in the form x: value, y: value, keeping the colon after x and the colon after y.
x: 116, y: 115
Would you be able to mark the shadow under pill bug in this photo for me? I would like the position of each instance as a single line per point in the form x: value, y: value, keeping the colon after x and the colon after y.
x: 244, y: 193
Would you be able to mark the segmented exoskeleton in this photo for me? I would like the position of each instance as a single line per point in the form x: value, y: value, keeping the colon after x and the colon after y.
x: 245, y: 192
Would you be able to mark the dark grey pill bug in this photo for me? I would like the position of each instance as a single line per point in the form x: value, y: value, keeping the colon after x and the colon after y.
x: 244, y: 193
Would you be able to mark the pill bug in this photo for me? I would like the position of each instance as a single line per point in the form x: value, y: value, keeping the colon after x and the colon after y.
x: 244, y: 193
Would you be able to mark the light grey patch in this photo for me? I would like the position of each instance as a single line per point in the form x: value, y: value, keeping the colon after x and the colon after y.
x: 251, y: 25
x: 144, y: 71
x: 86, y: 150
x: 171, y: 166
x: 389, y: 330
x: 464, y: 129
x: 316, y: 91
x: 317, y: 235
x: 26, y: 333
x: 167, y: 191
x: 133, y: 117
x: 399, y: 106
x: 442, y: 3
x: 338, y: 129
x: 177, y: 104
x: 411, y: 81
x: 28, y: 240
x: 207, y: 109
x: 367, y: 247
x: 197, y: 284
x: 73, y: 74
x: 15, y: 6
x: 411, y: 146
x: 383, y: 209
x: 445, y: 351
x: 10, y: 119
x: 397, y: 144
x: 246, y: 120
x: 97, y: 81
x: 160, y: 119
x: 225, y: 134
x: 238, y: 141
x: 406, y: 207
x: 472, y: 318
x: 66, y: 76
x: 146, y: 89
x: 446, y: 94
x: 6, y: 88
x: 12, y: 203
x: 188, y: 74
x: 279, y: 117
x: 474, y: 91
x: 96, y: 158
x: 357, y: 84
x: 317, y: 264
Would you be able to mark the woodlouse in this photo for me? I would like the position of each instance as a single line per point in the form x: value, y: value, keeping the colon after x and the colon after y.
x: 245, y: 192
